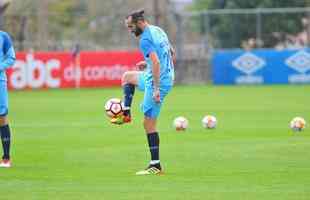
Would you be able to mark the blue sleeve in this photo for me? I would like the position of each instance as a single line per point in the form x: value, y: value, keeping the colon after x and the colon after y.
x: 8, y: 53
x: 146, y: 47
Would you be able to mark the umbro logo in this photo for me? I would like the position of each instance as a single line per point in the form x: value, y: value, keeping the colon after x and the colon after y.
x: 248, y: 63
x: 300, y: 61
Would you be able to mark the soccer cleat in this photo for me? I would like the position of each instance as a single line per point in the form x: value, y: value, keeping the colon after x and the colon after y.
x: 5, y: 163
x: 151, y: 170
x: 121, y: 119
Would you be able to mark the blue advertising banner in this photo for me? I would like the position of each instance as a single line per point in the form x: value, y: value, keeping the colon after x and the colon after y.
x: 261, y: 67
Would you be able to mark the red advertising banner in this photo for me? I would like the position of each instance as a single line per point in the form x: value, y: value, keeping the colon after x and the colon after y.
x: 64, y: 70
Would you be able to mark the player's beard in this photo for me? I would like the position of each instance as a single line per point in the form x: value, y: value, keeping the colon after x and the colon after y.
x: 137, y: 32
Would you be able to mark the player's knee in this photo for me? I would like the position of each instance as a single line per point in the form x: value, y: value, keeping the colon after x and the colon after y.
x: 145, y: 125
x: 125, y: 78
x: 149, y: 126
x: 129, y: 77
x: 3, y: 121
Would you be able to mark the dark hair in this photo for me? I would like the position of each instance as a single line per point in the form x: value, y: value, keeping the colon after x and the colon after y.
x: 136, y: 15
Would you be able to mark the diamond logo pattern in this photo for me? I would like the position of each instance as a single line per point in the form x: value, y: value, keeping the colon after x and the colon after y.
x: 300, y: 61
x: 248, y: 63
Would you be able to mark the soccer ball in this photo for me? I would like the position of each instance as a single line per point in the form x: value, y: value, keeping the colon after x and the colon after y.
x: 114, y: 107
x: 298, y: 124
x: 209, y: 122
x: 180, y: 123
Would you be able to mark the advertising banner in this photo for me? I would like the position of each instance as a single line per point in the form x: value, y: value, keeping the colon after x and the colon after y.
x: 261, y: 67
x: 66, y: 70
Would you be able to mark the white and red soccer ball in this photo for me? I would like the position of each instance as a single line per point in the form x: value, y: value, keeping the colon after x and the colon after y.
x: 180, y: 123
x: 209, y: 122
x: 298, y: 124
x: 114, y: 107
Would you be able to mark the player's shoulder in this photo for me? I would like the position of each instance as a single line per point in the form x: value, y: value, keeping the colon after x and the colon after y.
x: 158, y: 32
x: 146, y: 37
x: 146, y: 33
x: 150, y: 31
x: 4, y: 34
x: 156, y: 29
x: 150, y: 34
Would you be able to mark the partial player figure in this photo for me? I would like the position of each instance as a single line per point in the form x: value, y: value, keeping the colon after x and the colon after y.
x: 156, y: 81
x: 7, y: 55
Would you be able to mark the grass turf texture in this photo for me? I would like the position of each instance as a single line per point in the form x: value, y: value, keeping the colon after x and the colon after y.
x: 65, y: 148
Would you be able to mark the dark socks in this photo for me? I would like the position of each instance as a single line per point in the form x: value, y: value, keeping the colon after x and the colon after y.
x: 6, y: 141
x: 153, y: 140
x: 129, y: 90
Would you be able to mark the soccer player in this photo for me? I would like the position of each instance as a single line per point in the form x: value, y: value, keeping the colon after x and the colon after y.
x: 156, y: 81
x: 7, y: 59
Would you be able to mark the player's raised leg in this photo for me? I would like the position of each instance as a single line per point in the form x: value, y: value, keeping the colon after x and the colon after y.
x: 129, y: 82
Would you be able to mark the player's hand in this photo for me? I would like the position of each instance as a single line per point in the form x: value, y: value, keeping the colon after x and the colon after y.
x: 141, y: 65
x: 156, y: 95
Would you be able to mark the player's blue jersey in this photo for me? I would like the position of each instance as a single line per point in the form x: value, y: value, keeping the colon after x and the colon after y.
x: 154, y: 39
x: 7, y: 54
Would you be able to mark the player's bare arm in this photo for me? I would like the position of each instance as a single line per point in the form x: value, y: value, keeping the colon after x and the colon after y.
x: 156, y: 73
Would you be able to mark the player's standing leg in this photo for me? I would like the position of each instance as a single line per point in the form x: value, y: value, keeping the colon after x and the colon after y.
x: 153, y: 142
x: 4, y: 126
x: 151, y: 111
x: 6, y: 142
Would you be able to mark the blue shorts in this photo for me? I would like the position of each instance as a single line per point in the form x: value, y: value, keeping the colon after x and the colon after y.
x: 149, y: 107
x: 3, y: 98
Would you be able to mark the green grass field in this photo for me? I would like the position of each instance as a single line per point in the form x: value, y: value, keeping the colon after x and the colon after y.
x: 65, y: 148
